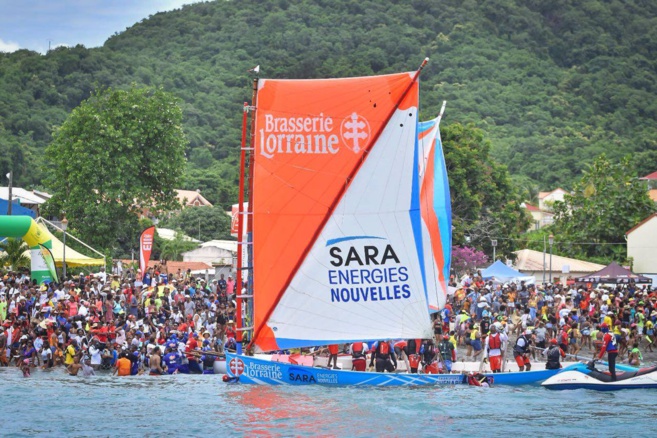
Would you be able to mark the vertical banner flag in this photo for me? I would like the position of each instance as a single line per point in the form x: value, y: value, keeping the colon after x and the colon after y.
x: 48, y: 258
x: 145, y: 249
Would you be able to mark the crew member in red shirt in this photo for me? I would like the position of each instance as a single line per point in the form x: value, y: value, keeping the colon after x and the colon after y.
x: 609, y: 346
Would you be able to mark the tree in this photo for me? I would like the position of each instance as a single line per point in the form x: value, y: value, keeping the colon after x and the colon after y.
x: 608, y: 200
x: 173, y: 249
x: 485, y: 204
x: 120, y: 152
x: 202, y: 223
x: 14, y: 254
x: 465, y: 258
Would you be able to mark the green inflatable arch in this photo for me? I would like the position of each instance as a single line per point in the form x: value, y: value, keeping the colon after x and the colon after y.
x: 35, y: 236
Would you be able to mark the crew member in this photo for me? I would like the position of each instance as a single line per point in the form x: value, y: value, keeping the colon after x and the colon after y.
x: 609, y: 346
x: 401, y: 352
x: 384, y: 355
x: 333, y: 349
x: 358, y: 352
x: 493, y: 350
x: 553, y: 353
x: 447, y: 353
x: 521, y: 351
x: 413, y: 349
x: 429, y: 356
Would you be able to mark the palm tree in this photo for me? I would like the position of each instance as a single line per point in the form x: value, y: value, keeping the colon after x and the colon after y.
x: 173, y: 249
x: 13, y: 254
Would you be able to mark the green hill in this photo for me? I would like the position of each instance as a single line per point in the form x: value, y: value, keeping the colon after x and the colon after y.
x: 552, y: 83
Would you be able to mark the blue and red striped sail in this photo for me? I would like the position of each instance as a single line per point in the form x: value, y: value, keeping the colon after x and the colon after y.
x: 436, y: 212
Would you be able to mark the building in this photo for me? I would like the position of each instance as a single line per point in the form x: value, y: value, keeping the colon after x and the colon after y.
x: 542, y: 214
x: 191, y: 198
x: 30, y: 199
x: 530, y: 262
x: 221, y: 254
x: 169, y: 234
x: 642, y: 246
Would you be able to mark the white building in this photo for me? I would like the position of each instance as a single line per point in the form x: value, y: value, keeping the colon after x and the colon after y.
x: 222, y: 254
x: 642, y: 246
x: 537, y: 263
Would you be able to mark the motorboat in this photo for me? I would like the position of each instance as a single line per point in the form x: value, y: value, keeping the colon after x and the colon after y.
x: 587, y: 376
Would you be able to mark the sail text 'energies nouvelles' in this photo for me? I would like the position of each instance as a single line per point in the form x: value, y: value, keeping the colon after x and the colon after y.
x: 380, y: 283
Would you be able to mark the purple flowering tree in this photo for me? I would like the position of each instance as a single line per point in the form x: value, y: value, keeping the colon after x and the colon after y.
x: 465, y: 258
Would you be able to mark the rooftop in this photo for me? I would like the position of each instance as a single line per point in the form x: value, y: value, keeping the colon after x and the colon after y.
x: 532, y: 261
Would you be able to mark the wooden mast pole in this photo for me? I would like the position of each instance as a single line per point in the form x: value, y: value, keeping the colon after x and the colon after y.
x: 240, y: 230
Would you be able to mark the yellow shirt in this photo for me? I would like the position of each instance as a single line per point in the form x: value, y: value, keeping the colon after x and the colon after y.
x: 474, y: 334
x: 452, y: 339
x: 70, y: 355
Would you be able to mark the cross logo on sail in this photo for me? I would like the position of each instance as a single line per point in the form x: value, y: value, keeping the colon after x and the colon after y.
x: 355, y: 130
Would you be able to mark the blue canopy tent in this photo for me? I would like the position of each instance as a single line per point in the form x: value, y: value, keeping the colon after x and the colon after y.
x: 16, y: 209
x: 501, y: 273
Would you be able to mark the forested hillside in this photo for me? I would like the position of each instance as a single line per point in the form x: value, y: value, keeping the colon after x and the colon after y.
x: 552, y: 83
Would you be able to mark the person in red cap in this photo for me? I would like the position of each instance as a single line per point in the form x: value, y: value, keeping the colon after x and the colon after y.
x: 553, y: 353
x: 609, y: 345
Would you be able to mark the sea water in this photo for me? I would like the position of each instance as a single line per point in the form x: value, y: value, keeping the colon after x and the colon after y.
x: 51, y: 403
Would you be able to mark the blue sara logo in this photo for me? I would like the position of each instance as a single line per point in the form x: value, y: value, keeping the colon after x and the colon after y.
x: 299, y: 375
x: 366, y: 272
x: 368, y: 255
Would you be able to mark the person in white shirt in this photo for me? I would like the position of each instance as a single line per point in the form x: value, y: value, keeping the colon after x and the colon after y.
x: 83, y: 310
x: 102, y: 275
x: 95, y: 353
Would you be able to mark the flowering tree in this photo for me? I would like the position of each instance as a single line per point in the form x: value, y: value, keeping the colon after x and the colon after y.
x: 465, y: 258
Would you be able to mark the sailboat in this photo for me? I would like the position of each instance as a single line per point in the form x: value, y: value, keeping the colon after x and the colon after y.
x: 340, y: 223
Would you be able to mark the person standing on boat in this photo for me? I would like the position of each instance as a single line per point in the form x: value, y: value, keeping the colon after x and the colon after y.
x: 384, y: 355
x: 609, y: 346
x: 521, y: 351
x: 358, y: 351
x: 493, y: 351
x: 333, y: 349
x: 553, y: 353
x: 447, y: 353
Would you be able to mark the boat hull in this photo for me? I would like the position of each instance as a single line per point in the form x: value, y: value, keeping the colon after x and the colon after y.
x: 580, y: 379
x: 250, y: 370
x: 521, y: 378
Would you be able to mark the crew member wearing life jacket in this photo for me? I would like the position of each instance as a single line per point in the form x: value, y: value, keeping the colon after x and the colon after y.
x: 553, y: 353
x: 413, y: 349
x: 493, y: 350
x: 384, y: 355
x: 609, y: 346
x: 358, y: 352
x: 521, y: 351
x: 430, y: 358
x: 333, y: 349
x: 447, y: 353
x: 401, y: 351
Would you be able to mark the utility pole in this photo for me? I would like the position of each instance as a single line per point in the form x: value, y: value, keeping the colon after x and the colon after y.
x: 9, y: 200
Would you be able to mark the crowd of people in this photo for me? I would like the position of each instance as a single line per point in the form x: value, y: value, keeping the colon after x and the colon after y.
x: 159, y: 323
x: 131, y: 323
x: 482, y: 316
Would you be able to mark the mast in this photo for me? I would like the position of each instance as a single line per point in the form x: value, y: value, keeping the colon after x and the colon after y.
x: 249, y: 217
x: 241, y: 216
x: 240, y: 230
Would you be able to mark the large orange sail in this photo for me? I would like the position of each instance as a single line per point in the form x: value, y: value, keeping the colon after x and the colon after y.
x: 310, y: 138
